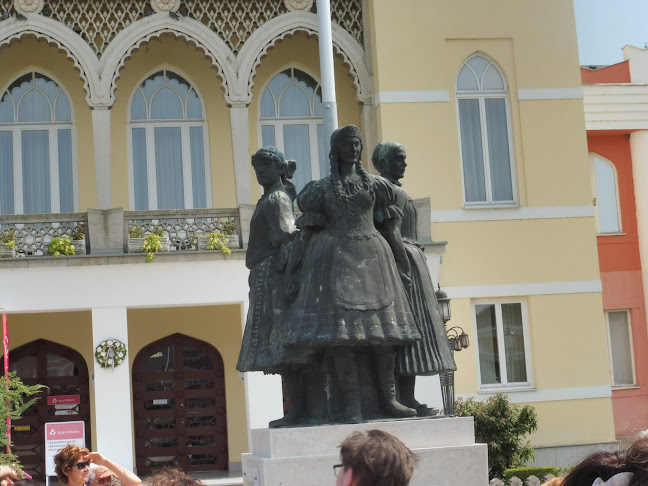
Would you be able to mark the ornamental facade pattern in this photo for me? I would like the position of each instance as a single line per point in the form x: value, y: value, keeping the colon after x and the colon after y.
x: 99, y: 22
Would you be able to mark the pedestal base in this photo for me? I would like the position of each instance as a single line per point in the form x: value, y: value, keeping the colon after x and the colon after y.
x: 446, y: 448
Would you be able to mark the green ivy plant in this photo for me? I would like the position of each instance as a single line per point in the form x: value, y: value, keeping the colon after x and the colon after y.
x: 61, y: 245
x: 229, y: 228
x: 151, y: 246
x: 217, y: 242
x: 135, y: 232
x: 13, y: 403
x: 503, y: 426
x: 8, y: 237
x: 79, y: 232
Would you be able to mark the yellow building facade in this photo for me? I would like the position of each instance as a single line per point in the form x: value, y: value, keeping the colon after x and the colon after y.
x: 166, y: 102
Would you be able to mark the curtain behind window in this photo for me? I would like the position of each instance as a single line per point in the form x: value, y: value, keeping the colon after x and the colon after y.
x: 621, y: 348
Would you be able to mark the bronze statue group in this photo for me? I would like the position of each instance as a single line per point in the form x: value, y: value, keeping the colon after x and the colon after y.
x: 342, y: 304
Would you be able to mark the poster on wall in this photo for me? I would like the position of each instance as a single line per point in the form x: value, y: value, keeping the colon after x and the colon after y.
x: 57, y: 436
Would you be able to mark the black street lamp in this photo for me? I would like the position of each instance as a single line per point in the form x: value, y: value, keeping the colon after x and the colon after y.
x: 457, y: 340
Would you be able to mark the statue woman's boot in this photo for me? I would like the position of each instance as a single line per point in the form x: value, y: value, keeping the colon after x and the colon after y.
x: 406, y: 385
x: 385, y: 362
x: 295, y: 388
x: 347, y: 378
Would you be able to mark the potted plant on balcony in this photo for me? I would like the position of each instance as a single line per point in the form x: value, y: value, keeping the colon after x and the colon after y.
x: 137, y: 241
x: 78, y: 239
x: 8, y: 243
x: 60, y: 245
x: 214, y: 241
x: 232, y: 239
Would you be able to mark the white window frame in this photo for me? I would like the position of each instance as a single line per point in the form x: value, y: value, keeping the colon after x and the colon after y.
x: 632, y: 359
x: 592, y: 156
x: 504, y: 385
x: 16, y: 128
x: 481, y: 96
x: 279, y: 121
x: 149, y: 126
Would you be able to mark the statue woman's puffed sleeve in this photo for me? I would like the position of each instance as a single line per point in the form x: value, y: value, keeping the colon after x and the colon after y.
x: 386, y: 206
x: 279, y: 214
x: 311, y: 201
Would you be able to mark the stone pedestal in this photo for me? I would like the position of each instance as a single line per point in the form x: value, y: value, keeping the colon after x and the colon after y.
x: 305, y: 455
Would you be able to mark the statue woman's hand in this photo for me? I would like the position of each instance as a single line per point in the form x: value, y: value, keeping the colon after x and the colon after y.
x: 405, y: 277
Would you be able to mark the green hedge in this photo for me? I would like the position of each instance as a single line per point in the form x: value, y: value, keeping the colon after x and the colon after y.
x: 524, y: 472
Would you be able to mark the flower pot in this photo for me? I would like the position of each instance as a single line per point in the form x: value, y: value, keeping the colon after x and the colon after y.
x: 233, y: 241
x: 135, y: 244
x: 6, y: 252
x: 79, y: 247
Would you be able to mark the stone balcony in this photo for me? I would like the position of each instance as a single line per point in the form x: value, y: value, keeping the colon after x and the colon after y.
x: 106, y: 234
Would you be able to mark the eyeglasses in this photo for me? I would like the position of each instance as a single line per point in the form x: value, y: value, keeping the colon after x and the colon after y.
x: 337, y: 468
x: 82, y: 465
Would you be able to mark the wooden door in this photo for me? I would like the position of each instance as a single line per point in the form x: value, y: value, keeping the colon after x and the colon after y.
x: 65, y: 373
x: 179, y: 406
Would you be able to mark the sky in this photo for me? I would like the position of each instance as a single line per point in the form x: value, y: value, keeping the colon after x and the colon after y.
x: 605, y: 26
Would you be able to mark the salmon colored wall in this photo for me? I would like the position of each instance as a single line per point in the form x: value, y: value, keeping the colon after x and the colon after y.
x: 622, y: 283
x: 616, y: 73
x: 618, y: 252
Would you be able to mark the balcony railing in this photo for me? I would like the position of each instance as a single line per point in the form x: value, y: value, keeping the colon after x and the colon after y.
x: 33, y: 232
x: 182, y: 227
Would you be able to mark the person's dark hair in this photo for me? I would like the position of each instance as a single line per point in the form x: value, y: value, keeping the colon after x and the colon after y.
x: 67, y: 458
x: 271, y: 153
x: 171, y: 477
x: 378, y: 459
x: 637, y: 461
x: 602, y: 465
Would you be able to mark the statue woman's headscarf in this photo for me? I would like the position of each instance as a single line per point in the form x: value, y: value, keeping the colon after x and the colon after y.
x: 382, y: 155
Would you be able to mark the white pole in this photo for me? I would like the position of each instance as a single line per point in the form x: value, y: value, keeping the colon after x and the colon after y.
x: 326, y: 67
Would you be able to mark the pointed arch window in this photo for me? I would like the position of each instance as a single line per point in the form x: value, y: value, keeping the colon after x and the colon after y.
x: 37, y: 161
x: 485, y: 134
x: 167, y: 132
x: 606, y: 194
x: 291, y: 119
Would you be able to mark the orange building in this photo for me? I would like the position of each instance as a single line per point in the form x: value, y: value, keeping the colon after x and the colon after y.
x: 614, y: 121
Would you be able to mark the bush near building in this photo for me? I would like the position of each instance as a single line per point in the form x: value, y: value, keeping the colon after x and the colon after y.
x: 503, y: 426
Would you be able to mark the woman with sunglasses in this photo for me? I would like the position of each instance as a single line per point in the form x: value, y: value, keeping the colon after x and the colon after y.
x: 73, y: 467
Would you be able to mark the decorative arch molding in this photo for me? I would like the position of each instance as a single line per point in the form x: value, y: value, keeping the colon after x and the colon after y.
x: 267, y: 35
x: 138, y: 33
x: 60, y: 36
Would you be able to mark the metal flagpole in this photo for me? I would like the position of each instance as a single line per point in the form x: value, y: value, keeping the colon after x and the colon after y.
x: 5, y: 340
x: 329, y: 103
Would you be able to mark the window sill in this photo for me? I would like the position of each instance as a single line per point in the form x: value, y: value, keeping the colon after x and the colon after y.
x: 625, y: 387
x: 506, y: 389
x: 491, y: 206
x: 610, y: 234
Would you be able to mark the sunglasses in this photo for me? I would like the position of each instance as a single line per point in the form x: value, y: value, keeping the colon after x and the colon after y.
x: 82, y: 465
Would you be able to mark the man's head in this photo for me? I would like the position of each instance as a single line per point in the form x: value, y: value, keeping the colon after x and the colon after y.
x: 375, y: 458
x: 100, y: 476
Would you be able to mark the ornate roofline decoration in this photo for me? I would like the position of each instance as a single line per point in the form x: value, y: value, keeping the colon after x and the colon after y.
x: 192, y: 31
x: 60, y: 36
x: 267, y: 35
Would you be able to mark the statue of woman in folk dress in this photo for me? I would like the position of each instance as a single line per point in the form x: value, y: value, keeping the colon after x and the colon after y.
x: 351, y: 296
x: 271, y: 228
x: 430, y: 355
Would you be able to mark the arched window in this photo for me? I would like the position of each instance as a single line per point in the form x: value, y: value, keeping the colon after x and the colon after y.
x: 167, y: 134
x: 37, y: 160
x: 604, y: 181
x: 484, y: 126
x: 291, y: 119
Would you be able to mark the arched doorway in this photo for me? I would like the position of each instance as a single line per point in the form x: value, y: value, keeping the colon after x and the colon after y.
x: 179, y: 406
x: 65, y: 373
